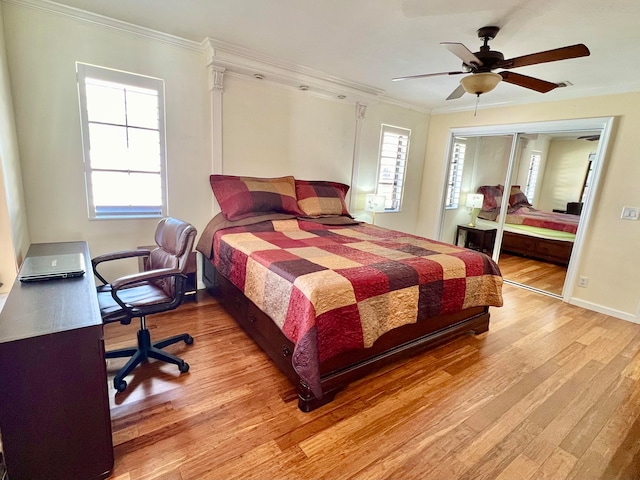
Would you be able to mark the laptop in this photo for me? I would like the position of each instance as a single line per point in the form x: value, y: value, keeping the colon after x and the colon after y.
x: 49, y: 267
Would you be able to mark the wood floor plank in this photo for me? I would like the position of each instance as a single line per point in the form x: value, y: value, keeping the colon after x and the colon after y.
x: 557, y: 466
x: 583, y: 434
x: 550, y: 392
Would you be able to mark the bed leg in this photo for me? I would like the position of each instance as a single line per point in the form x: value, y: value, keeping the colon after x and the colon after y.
x: 308, y: 402
x: 482, y: 326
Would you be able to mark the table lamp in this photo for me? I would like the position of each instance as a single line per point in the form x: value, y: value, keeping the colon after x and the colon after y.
x: 474, y: 204
x: 374, y: 203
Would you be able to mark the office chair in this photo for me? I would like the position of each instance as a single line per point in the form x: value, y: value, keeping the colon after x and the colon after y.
x: 158, y: 289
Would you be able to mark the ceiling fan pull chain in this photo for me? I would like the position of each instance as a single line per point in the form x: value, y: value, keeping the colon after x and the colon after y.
x: 475, y: 112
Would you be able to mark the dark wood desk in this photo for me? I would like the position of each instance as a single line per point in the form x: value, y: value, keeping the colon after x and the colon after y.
x: 54, y: 409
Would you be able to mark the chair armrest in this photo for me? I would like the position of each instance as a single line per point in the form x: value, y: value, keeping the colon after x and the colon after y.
x: 132, y: 280
x: 107, y: 257
x: 135, y: 278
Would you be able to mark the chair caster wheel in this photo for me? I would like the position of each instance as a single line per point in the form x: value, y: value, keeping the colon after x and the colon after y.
x: 121, y: 386
x: 183, y: 367
x: 188, y: 340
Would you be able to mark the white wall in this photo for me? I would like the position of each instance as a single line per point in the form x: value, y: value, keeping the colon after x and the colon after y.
x: 42, y: 49
x: 418, y: 123
x: 268, y: 130
x: 271, y: 131
x: 610, y: 255
x: 14, y: 233
x: 485, y: 163
x: 539, y: 143
x: 564, y: 174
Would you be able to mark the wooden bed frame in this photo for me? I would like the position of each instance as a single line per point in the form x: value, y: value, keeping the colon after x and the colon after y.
x: 338, y: 372
x: 556, y: 251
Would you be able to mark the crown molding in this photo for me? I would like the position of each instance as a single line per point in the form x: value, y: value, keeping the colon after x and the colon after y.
x: 239, y: 61
x: 106, y: 22
x: 242, y: 62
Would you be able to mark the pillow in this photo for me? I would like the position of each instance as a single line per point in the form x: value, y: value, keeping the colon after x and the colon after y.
x: 242, y: 197
x: 492, y: 215
x: 318, y: 198
x: 492, y: 197
x: 517, y: 197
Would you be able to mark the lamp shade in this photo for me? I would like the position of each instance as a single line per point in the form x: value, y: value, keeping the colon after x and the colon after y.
x: 474, y: 200
x: 374, y: 203
x: 479, y: 83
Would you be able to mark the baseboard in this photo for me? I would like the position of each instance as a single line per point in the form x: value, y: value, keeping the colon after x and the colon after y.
x: 630, y: 317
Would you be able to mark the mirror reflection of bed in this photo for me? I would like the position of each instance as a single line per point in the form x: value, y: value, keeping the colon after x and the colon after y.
x: 536, y: 244
x: 550, y: 179
x: 544, y: 212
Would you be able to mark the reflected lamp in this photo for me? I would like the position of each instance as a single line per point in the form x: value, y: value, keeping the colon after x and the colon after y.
x: 374, y: 203
x: 474, y: 204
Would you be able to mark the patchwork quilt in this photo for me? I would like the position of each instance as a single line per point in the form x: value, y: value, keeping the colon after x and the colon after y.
x: 561, y: 222
x: 332, y: 288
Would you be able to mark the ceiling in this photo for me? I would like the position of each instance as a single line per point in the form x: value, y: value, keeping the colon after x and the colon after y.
x: 371, y: 41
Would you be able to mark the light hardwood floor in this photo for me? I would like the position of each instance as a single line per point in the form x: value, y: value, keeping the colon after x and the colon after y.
x: 533, y: 273
x: 552, y: 391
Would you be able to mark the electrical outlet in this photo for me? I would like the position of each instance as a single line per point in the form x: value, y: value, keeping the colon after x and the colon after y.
x: 583, y: 282
x: 630, y: 213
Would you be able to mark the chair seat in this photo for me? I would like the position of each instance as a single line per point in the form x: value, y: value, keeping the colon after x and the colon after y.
x: 147, y: 294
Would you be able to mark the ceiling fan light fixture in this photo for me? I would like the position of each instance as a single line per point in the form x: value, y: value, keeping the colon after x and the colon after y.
x: 479, y: 83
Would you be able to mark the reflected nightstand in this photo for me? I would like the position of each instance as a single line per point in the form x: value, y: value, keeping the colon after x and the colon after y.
x: 477, y: 238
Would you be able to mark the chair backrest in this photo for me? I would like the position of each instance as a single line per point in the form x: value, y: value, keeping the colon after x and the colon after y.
x: 175, y: 240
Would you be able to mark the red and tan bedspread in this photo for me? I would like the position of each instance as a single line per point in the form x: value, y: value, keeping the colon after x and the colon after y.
x: 561, y: 222
x: 331, y: 289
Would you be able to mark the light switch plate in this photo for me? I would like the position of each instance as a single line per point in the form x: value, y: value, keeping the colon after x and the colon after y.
x: 630, y: 213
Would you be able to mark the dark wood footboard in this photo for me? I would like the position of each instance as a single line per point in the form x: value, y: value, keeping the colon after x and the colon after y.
x: 547, y: 250
x: 339, y: 371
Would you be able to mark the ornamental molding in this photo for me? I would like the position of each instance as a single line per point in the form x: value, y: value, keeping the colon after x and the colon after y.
x: 232, y: 60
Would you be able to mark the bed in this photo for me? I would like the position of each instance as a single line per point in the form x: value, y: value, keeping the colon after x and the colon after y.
x: 330, y: 299
x: 529, y: 232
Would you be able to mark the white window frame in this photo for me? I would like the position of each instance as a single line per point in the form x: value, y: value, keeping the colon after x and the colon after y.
x: 532, y: 175
x: 454, y: 179
x: 393, y: 189
x: 135, y: 81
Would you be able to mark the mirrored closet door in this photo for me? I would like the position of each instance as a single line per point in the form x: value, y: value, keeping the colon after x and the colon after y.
x: 524, y: 197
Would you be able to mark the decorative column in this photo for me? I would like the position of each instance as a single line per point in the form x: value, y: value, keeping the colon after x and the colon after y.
x: 216, y: 78
x: 216, y: 87
x: 361, y: 111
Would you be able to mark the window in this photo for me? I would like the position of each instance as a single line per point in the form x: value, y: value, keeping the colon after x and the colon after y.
x: 394, y: 151
x: 532, y: 176
x: 123, y: 139
x: 454, y: 181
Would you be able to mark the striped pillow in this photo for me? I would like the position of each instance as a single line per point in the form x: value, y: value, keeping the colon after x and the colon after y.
x: 242, y: 197
x: 317, y: 198
x: 517, y: 198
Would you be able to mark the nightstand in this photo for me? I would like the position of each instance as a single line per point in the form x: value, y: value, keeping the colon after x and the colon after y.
x: 477, y: 238
x: 191, y: 288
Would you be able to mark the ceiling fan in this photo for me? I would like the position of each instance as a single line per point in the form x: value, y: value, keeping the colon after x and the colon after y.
x: 480, y: 66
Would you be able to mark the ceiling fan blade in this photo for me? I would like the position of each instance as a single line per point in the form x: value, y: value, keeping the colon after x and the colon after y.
x: 525, y: 81
x: 424, y: 75
x: 462, y: 52
x: 564, y: 53
x: 457, y: 93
